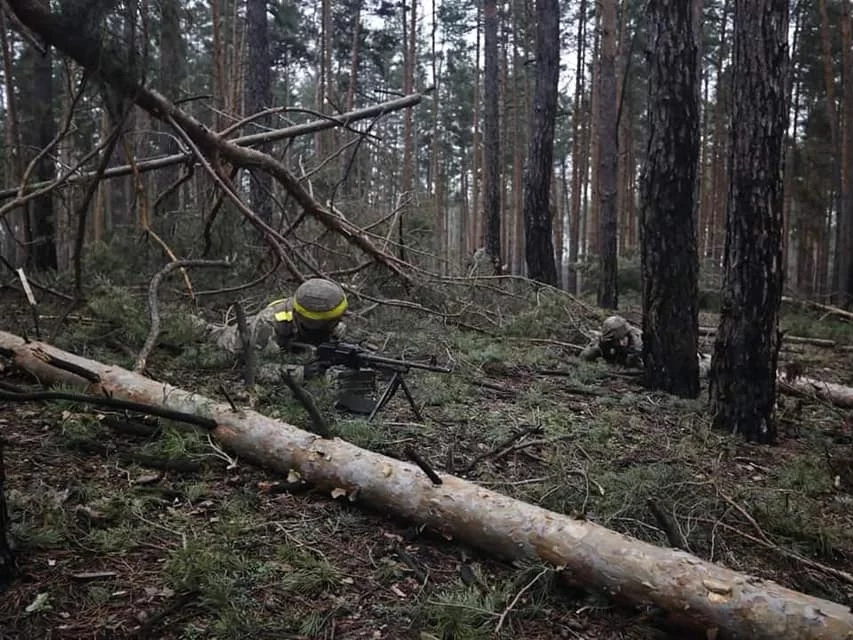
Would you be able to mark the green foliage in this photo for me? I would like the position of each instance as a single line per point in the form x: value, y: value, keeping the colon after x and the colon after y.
x: 461, y: 612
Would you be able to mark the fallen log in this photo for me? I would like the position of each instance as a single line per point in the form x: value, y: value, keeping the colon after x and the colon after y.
x: 827, y: 309
x: 815, y: 342
x: 838, y: 394
x: 713, y: 598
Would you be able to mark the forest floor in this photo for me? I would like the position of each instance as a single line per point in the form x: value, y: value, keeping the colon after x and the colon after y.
x: 158, y: 535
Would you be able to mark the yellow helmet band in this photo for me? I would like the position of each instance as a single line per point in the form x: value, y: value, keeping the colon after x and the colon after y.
x: 331, y: 314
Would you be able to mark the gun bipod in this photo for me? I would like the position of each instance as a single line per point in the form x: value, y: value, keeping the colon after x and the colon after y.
x: 397, y: 382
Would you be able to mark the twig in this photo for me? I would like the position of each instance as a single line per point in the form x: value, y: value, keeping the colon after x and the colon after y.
x: 241, y: 287
x: 70, y: 367
x: 307, y: 402
x: 7, y: 392
x: 412, y: 455
x: 154, y: 307
x: 228, y: 398
x: 674, y: 536
x: 808, y: 562
x: 31, y: 299
x: 517, y: 597
x: 515, y: 437
x: 247, y: 340
x: 328, y: 122
x: 40, y: 287
x: 153, y: 621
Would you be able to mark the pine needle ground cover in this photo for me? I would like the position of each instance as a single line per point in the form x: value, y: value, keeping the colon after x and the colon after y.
x: 127, y: 527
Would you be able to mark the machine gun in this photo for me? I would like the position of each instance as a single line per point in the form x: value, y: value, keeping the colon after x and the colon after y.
x: 352, y: 356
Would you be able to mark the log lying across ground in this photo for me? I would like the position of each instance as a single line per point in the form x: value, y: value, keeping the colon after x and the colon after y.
x: 814, y: 342
x: 837, y: 394
x: 711, y: 597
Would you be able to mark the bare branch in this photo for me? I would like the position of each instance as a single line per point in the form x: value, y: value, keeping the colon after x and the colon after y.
x: 154, y: 307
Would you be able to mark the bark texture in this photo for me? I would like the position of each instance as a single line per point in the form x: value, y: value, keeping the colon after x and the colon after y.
x: 539, y: 240
x: 491, y: 137
x: 608, y: 296
x: 743, y: 375
x: 712, y: 597
x: 258, y: 96
x: 670, y: 265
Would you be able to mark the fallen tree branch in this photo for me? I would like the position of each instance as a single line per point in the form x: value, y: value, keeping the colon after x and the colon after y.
x: 154, y: 305
x: 835, y: 311
x: 837, y: 394
x: 815, y: 342
x: 12, y: 394
x: 103, y: 60
x: 294, y: 131
x: 712, y: 597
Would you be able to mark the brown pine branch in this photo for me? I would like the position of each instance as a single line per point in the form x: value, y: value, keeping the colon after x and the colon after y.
x: 154, y: 306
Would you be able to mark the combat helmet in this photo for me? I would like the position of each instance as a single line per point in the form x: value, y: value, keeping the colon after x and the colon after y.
x: 319, y: 304
x: 614, y: 329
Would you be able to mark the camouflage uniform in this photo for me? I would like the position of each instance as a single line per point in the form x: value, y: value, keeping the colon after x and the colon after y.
x: 619, y: 342
x: 311, y: 316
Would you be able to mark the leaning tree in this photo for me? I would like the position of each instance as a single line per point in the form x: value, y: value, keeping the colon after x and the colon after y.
x: 743, y: 372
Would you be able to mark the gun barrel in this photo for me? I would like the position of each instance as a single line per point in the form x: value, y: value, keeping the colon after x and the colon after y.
x: 382, y: 360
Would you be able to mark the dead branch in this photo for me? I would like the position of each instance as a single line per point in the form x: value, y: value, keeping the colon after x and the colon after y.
x: 268, y: 233
x: 710, y: 596
x: 100, y: 58
x: 828, y: 309
x: 154, y: 306
x: 12, y: 394
x: 307, y: 402
x: 837, y: 394
x: 86, y: 200
x: 242, y: 287
x: 153, y: 164
x: 815, y: 342
x: 496, y: 451
x: 247, y: 340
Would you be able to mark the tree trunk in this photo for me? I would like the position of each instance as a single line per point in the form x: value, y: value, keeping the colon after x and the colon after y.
x: 714, y: 598
x: 608, y: 295
x: 475, y: 226
x: 670, y: 265
x: 793, y: 240
x: 173, y: 60
x: 718, y: 177
x: 492, y: 159
x: 409, y: 179
x: 219, y: 89
x: 258, y: 96
x: 746, y: 351
x: 539, y: 239
x: 15, y: 250
x: 43, y: 252
x: 577, y: 150
x: 845, y: 214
